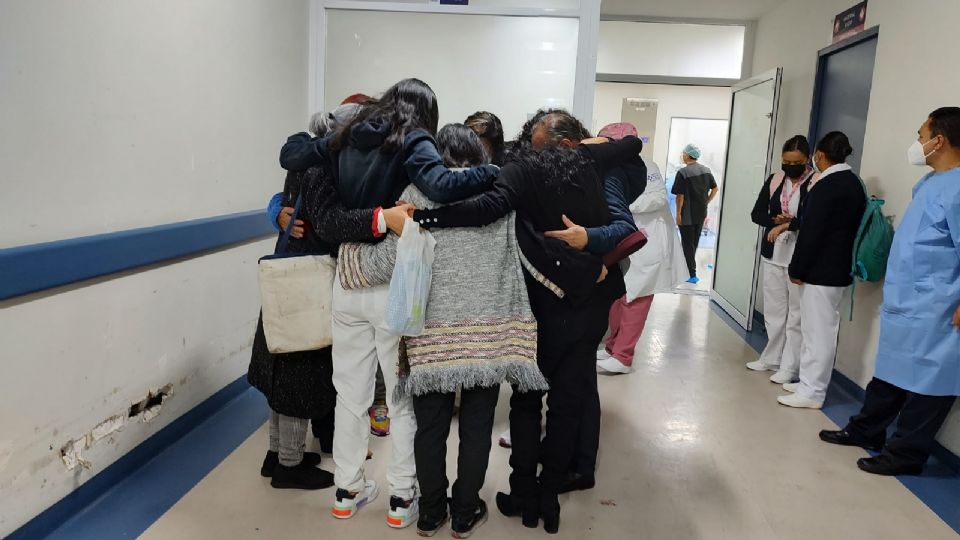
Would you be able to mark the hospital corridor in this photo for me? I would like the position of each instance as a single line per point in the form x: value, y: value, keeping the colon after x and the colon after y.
x: 488, y: 269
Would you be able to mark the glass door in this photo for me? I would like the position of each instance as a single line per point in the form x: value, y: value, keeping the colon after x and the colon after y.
x: 753, y: 122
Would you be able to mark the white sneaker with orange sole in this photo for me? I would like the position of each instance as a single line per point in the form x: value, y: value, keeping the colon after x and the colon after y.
x: 346, y: 505
x: 403, y: 513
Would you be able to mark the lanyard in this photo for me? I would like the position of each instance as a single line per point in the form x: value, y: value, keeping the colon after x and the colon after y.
x: 785, y: 197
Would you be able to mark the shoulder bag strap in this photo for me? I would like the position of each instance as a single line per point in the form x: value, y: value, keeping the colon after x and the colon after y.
x: 282, y: 245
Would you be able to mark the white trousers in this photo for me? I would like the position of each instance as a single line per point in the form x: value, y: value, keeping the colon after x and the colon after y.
x: 820, y: 324
x: 360, y: 342
x: 781, y: 316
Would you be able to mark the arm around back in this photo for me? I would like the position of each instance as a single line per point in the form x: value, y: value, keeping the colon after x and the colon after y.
x: 425, y: 168
x: 506, y: 194
x: 603, y: 239
x: 301, y: 151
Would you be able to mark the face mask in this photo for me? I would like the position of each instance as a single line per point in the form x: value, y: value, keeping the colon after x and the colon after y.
x: 816, y: 167
x: 916, y: 155
x: 794, y: 171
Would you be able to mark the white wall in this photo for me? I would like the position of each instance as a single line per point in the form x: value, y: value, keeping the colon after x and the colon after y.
x: 122, y: 105
x: 510, y: 66
x: 687, y: 101
x: 913, y: 76
x: 117, y: 115
x: 667, y: 49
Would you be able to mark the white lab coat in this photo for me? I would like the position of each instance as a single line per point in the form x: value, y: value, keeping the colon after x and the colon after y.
x: 659, y: 266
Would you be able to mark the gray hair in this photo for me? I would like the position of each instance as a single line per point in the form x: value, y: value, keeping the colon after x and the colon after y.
x: 323, y: 123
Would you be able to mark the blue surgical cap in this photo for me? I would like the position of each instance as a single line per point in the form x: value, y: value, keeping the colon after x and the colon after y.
x: 692, y: 151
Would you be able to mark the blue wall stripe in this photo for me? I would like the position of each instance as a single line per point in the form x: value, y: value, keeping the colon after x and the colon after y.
x: 37, y: 267
x: 100, y: 495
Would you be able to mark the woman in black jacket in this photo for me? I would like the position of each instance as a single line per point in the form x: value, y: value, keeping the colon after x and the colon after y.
x: 570, y: 293
x: 778, y: 203
x: 829, y: 220
x: 299, y: 385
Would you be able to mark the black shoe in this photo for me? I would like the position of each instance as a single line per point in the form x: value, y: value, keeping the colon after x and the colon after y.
x: 844, y: 438
x: 302, y: 476
x: 272, y: 459
x: 577, y: 482
x: 550, y: 511
x: 463, y: 528
x: 886, y: 466
x: 428, y: 526
x: 511, y: 506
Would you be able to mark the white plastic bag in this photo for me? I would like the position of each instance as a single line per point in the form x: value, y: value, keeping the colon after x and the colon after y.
x: 410, y: 283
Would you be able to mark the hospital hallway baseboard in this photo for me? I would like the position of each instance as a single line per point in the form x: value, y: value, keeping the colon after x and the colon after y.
x: 693, y: 446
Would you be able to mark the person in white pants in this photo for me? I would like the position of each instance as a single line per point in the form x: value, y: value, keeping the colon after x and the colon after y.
x: 822, y: 260
x: 361, y: 341
x: 777, y: 205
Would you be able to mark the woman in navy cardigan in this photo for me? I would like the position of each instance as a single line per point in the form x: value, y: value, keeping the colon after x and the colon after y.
x: 829, y: 220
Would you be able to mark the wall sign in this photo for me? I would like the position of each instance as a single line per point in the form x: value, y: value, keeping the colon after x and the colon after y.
x: 850, y: 22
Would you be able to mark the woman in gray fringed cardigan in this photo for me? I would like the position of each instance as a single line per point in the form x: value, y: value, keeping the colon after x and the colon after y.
x: 480, y: 332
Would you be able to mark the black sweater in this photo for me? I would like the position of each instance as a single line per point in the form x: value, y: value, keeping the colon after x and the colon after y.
x: 768, y: 207
x: 829, y: 219
x: 328, y: 223
x: 539, y: 208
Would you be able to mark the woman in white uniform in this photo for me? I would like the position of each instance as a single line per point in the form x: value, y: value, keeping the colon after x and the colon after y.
x: 829, y: 219
x: 658, y: 267
x: 778, y: 203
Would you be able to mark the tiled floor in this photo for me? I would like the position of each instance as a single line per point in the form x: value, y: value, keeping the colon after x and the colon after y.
x: 694, y: 447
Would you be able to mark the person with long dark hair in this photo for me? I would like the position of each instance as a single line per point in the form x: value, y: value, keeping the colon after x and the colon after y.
x: 829, y: 220
x: 570, y: 291
x: 777, y: 206
x: 387, y: 146
x: 488, y: 127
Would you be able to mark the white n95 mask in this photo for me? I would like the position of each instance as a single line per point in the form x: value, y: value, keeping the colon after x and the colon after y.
x: 916, y: 154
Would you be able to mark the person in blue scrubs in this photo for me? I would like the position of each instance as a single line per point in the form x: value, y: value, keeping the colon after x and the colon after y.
x: 918, y: 362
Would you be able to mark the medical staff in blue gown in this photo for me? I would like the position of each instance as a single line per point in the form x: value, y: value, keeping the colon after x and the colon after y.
x: 918, y: 362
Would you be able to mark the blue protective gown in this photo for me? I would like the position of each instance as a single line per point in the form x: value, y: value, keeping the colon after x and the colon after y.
x: 919, y: 347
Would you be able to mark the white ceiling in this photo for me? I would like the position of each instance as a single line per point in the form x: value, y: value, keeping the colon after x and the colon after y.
x: 748, y: 10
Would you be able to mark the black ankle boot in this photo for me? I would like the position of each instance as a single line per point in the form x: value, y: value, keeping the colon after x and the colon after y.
x: 550, y: 511
x: 528, y: 509
x: 302, y: 476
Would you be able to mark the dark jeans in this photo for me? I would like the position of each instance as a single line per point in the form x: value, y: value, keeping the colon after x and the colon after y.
x: 323, y: 430
x: 588, y: 440
x: 690, y: 240
x: 434, y: 413
x: 920, y: 419
x: 567, y: 343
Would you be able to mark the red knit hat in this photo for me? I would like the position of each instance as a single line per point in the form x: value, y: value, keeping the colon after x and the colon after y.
x: 356, y: 98
x: 618, y: 131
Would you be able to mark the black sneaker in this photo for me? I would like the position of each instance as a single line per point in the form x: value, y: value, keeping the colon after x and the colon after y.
x: 465, y: 528
x: 302, y: 476
x: 272, y: 459
x: 428, y: 526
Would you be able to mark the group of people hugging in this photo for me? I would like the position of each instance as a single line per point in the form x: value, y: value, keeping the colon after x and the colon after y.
x: 525, y: 273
